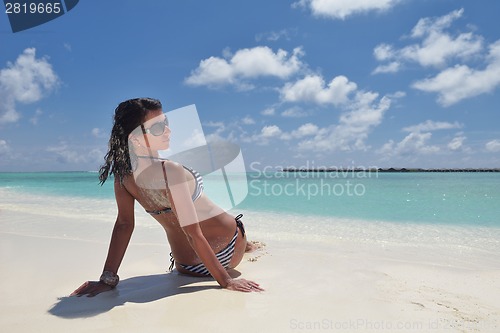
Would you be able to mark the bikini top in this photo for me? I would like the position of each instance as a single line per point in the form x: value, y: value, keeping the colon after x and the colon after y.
x: 198, y: 189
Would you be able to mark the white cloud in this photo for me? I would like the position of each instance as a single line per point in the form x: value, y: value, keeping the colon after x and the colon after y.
x: 436, y: 48
x: 270, y: 131
x: 268, y: 112
x: 341, y: 9
x: 397, y: 94
x: 245, y: 64
x: 360, y: 114
x: 460, y: 82
x: 392, y: 67
x: 440, y: 48
x: 305, y: 130
x: 430, y: 125
x: 220, y: 127
x: 75, y: 154
x: 493, y: 146
x: 26, y: 81
x: 363, y: 113
x: 417, y: 141
x: 312, y: 88
x: 248, y: 120
x: 196, y: 138
x: 387, y: 149
x: 98, y: 133
x: 266, y: 133
x: 294, y: 112
x: 4, y: 147
x: 218, y: 124
x: 36, y: 116
x: 413, y: 143
x: 430, y: 25
x: 457, y: 143
x: 383, y: 52
x: 274, y: 36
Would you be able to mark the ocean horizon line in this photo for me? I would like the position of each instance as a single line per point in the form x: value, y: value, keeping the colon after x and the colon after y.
x: 320, y: 169
x: 392, y: 169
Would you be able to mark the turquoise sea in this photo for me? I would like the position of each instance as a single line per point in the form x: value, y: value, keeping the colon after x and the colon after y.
x: 467, y: 199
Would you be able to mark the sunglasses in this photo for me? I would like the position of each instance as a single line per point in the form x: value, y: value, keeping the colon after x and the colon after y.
x: 156, y: 129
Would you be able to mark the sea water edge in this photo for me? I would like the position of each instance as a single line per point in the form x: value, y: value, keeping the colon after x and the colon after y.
x: 451, y: 210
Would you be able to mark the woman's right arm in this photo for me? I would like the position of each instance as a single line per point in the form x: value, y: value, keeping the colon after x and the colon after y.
x: 124, y: 226
x: 120, y: 238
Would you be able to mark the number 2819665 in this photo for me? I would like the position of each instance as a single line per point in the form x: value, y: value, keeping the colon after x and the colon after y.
x: 32, y: 8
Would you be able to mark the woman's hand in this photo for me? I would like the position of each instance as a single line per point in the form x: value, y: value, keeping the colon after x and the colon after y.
x: 91, y: 288
x: 243, y: 285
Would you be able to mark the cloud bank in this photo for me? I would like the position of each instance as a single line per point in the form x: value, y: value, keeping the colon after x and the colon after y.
x: 27, y: 80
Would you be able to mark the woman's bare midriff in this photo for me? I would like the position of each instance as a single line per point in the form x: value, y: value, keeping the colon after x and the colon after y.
x: 218, y: 230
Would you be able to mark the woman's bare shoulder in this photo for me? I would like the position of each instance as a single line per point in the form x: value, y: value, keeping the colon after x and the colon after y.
x: 171, y: 164
x: 173, y: 168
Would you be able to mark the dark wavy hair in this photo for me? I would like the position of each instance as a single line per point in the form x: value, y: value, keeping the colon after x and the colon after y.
x: 128, y: 116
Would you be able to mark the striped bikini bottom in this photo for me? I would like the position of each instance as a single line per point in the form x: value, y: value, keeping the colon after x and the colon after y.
x: 224, y: 256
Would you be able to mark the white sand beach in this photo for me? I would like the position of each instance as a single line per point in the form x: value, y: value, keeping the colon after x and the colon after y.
x: 313, y: 282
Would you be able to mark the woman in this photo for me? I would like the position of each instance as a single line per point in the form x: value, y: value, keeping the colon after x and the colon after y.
x: 203, y: 238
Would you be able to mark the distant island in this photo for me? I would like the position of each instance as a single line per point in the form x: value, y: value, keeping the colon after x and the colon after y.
x: 291, y: 169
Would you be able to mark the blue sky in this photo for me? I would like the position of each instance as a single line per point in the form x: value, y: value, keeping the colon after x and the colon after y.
x: 337, y: 83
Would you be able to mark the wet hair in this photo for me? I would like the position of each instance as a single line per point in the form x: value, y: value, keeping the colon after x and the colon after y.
x: 128, y: 116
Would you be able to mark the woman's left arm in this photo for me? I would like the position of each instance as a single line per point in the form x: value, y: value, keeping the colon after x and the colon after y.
x: 183, y: 206
x: 204, y: 251
x: 202, y: 248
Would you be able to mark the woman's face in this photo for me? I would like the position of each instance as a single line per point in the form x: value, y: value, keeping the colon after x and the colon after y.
x: 156, y: 130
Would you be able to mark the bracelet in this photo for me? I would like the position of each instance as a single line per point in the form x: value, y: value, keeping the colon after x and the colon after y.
x: 109, y: 278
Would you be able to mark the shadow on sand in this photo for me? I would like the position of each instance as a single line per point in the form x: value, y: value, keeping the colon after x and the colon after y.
x: 141, y: 289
